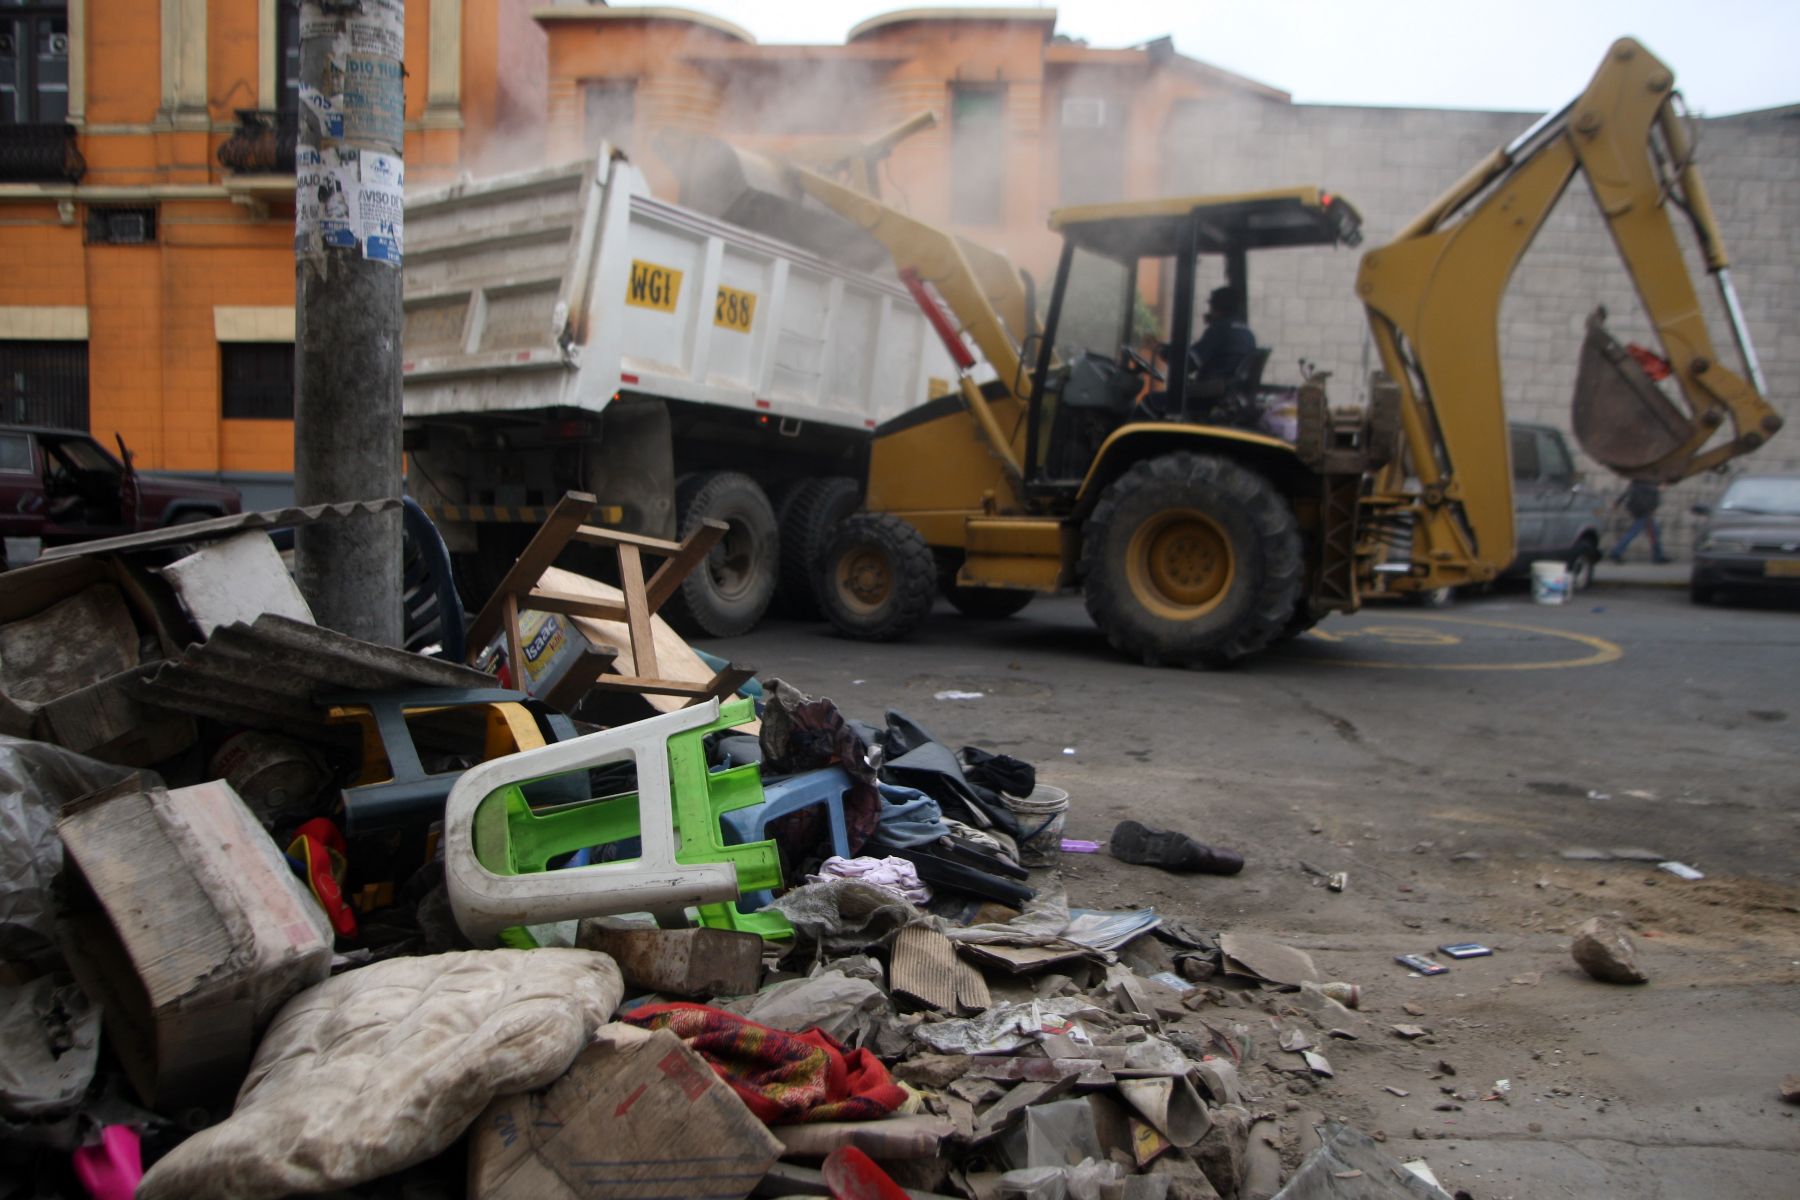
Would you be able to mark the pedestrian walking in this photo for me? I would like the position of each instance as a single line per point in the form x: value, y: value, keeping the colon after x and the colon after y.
x: 1641, y: 500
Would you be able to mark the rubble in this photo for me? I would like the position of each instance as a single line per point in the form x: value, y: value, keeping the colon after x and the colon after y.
x: 874, y: 975
x: 1604, y: 950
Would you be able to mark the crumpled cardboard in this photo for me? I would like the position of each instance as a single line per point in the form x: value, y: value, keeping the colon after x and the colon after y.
x: 638, y: 1116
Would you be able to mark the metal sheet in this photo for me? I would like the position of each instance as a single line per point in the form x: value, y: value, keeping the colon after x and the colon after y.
x: 218, y: 527
x: 269, y: 674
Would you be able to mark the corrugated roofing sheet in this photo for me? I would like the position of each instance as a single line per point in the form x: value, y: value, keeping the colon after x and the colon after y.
x: 269, y: 674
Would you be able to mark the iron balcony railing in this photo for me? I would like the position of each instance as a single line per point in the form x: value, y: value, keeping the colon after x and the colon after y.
x: 262, y: 143
x: 40, y: 153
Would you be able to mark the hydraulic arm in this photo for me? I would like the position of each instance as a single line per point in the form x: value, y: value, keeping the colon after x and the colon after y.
x: 1433, y: 297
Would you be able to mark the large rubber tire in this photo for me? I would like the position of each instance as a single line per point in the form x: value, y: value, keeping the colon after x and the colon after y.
x: 988, y: 603
x: 1298, y: 623
x: 877, y: 578
x: 809, y: 516
x: 1191, y: 560
x: 1582, y: 565
x: 728, y: 593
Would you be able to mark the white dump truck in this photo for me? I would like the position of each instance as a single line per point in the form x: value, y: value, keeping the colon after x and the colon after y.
x: 566, y: 330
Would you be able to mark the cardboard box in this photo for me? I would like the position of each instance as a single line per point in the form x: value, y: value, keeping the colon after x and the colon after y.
x: 79, y: 623
x: 638, y: 1119
x: 106, y: 721
x: 189, y: 929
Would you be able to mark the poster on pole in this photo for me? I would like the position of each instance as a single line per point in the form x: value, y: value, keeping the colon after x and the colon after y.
x: 348, y: 163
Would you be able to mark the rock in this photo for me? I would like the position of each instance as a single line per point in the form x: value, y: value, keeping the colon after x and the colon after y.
x: 1790, y: 1089
x: 1411, y: 1031
x: 1605, y: 951
x: 1221, y: 1154
x: 1417, y: 1010
x: 932, y: 1070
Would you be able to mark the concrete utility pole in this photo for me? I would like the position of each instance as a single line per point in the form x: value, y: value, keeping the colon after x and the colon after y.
x: 349, y: 176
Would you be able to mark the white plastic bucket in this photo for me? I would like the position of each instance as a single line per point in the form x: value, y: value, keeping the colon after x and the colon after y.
x: 1550, y: 583
x: 1041, y: 816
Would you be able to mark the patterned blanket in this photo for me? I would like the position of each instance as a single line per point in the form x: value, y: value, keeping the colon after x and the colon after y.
x: 783, y: 1077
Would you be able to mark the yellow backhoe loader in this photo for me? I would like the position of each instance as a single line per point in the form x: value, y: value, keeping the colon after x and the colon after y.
x: 1196, y: 538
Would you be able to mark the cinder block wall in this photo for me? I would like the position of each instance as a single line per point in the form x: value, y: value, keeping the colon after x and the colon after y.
x: 1392, y: 162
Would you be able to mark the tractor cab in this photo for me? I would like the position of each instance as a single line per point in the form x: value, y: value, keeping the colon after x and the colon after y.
x: 1096, y: 354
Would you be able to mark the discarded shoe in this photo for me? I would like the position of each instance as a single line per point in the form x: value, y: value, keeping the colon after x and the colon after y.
x: 1134, y: 842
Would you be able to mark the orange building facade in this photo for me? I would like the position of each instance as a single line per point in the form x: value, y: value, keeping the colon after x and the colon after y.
x: 147, y: 210
x: 1027, y: 120
x: 146, y: 167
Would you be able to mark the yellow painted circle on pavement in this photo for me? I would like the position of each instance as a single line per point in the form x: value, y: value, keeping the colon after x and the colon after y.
x: 1600, y: 651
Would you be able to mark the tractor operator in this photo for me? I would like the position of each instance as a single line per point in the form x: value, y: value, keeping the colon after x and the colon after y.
x: 1225, y: 343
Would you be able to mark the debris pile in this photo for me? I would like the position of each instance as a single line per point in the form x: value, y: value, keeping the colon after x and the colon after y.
x: 282, y: 912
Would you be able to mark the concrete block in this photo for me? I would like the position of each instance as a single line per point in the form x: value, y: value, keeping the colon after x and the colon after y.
x: 683, y: 962
x: 236, y: 579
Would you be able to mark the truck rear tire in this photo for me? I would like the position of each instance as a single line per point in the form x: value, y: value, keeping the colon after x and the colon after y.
x: 877, y: 578
x: 808, y: 519
x: 988, y: 603
x: 1191, y: 560
x: 728, y: 593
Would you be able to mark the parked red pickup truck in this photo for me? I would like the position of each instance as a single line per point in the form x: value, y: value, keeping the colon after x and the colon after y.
x: 61, y: 486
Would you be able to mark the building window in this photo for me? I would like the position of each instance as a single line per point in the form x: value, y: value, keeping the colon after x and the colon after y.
x: 977, y: 154
x: 287, y: 55
x: 44, y: 383
x: 609, y: 113
x: 1091, y: 157
x: 256, y: 381
x: 121, y: 226
x: 34, y: 64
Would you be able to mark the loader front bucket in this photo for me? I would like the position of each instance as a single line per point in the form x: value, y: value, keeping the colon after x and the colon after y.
x: 756, y: 192
x: 1620, y: 417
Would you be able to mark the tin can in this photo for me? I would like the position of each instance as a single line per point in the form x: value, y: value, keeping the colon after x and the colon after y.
x: 1346, y: 994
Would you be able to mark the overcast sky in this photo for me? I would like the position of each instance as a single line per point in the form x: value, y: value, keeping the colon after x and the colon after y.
x: 1728, y: 55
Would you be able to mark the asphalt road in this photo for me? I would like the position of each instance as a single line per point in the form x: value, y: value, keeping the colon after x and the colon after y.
x: 1446, y: 760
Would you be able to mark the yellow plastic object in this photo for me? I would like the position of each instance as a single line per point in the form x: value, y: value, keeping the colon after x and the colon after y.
x: 510, y: 727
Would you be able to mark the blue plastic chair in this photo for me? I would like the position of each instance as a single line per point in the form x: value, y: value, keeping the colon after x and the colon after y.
x: 782, y: 797
x: 790, y: 794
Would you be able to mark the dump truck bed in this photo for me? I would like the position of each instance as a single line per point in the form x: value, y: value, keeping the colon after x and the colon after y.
x: 562, y: 287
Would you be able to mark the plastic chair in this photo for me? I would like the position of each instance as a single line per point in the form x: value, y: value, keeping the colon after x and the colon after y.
x: 433, y: 610
x: 497, y: 847
x: 392, y: 788
x: 785, y: 796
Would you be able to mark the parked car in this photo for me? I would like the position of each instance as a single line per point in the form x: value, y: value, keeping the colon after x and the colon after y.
x: 1554, y: 515
x: 61, y: 486
x: 1750, y: 543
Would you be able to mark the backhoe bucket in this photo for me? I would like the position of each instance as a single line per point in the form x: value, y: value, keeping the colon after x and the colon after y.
x: 1621, y: 418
